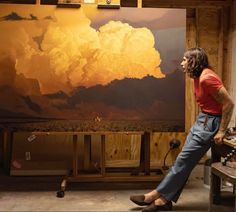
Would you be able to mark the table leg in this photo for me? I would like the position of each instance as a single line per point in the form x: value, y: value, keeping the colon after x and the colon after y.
x: 215, y: 180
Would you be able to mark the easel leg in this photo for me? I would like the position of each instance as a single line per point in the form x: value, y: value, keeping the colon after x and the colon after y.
x: 61, y: 193
x: 144, y: 164
x: 103, y: 155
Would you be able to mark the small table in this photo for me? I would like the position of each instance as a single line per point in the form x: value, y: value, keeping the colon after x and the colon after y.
x: 219, y: 151
x: 228, y: 172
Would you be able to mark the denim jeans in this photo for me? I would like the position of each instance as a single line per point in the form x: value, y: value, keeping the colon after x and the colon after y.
x: 198, y: 142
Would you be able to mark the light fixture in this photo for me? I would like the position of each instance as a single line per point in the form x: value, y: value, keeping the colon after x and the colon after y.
x: 108, y: 4
x: 174, y: 144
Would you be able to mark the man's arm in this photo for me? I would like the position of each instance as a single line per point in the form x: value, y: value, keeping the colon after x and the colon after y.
x: 223, y: 97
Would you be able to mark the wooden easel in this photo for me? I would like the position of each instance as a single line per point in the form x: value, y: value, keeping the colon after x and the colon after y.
x: 140, y: 173
x: 103, y: 176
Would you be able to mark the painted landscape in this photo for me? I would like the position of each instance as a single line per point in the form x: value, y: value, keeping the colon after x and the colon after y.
x: 91, y: 70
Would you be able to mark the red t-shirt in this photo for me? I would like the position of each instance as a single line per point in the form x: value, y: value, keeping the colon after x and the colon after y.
x: 204, y: 87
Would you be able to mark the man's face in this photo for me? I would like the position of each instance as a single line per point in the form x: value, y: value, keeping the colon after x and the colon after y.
x: 184, y: 64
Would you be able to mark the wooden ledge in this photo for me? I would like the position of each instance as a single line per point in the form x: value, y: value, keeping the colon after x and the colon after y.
x: 88, y: 133
x: 187, y: 3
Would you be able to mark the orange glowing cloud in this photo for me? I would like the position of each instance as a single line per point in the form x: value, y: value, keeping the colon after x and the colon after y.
x: 71, y: 53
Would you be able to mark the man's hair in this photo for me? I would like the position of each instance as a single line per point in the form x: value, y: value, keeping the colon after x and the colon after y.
x: 197, y: 61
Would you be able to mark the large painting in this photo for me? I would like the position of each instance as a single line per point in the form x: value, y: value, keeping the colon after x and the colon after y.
x: 88, y: 69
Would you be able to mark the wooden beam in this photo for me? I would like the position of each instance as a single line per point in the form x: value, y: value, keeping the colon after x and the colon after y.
x: 145, y: 3
x: 191, y: 108
x: 227, y: 45
x: 220, y: 45
x: 75, y: 155
x: 87, y: 151
x: 5, y: 149
x: 186, y: 3
x: 47, y: 133
x: 52, y: 2
x: 115, y: 178
x: 191, y: 13
x: 103, y: 154
x: 18, y: 1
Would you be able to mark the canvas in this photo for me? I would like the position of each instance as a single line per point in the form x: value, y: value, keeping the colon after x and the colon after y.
x: 92, y: 70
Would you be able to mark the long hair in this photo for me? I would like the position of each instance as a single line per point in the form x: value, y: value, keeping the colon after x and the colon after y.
x: 197, y: 61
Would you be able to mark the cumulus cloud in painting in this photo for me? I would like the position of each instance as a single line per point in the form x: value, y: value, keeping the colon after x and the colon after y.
x: 72, y: 53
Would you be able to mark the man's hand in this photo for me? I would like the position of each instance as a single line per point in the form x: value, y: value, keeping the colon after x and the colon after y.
x: 219, y: 137
x: 224, y: 98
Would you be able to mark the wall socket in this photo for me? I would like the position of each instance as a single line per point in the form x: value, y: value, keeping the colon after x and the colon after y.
x: 27, y: 156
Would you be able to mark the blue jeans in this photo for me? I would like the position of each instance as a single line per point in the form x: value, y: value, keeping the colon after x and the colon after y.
x: 197, y: 143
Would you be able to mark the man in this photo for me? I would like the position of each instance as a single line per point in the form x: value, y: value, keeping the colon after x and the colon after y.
x: 216, y: 110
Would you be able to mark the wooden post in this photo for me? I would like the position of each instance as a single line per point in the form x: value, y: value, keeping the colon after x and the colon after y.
x: 87, y: 152
x: 75, y: 155
x: 7, y: 150
x: 147, y: 153
x: 221, y: 44
x: 191, y: 108
x: 210, y: 195
x: 215, y: 181
x: 103, y: 155
x: 227, y: 45
x: 139, y: 3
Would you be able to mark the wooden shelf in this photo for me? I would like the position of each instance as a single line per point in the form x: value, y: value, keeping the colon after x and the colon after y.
x: 186, y: 3
x: 18, y: 1
x: 68, y: 5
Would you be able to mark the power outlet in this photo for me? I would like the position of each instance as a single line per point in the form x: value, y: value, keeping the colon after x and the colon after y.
x: 27, y: 156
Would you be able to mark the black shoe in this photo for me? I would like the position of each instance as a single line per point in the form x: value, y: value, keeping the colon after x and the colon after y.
x: 155, y: 208
x: 139, y: 200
